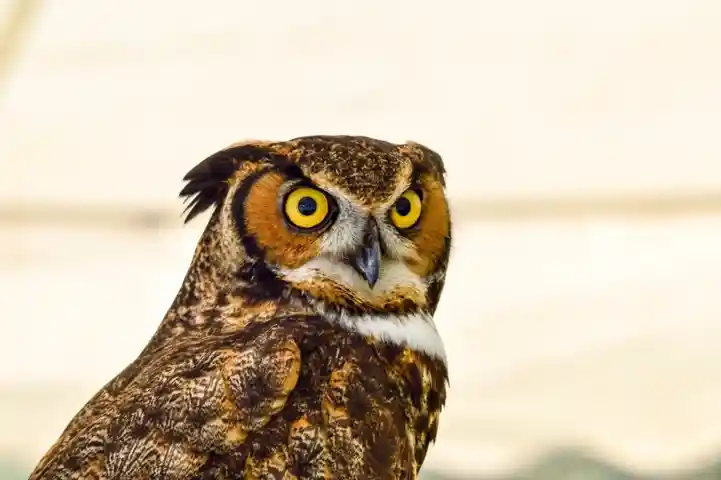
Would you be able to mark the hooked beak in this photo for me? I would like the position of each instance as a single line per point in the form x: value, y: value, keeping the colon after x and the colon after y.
x: 367, y: 259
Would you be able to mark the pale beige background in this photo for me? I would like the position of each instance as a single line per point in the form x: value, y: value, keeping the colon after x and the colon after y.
x: 576, y: 326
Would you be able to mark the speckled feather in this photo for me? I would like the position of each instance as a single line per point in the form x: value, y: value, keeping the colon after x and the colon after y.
x: 246, y: 377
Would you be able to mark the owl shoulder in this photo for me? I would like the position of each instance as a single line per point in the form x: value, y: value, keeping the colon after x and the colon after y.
x: 177, y: 403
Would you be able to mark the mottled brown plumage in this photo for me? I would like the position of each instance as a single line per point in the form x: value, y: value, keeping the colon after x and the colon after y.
x: 287, y: 353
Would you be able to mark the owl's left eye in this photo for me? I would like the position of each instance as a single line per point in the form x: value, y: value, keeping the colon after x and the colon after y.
x: 306, y: 207
x: 407, y: 210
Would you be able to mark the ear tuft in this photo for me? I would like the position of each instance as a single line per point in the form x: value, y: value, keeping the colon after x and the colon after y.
x: 207, y: 183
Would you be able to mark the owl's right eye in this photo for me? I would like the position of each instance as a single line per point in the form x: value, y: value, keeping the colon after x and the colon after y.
x: 307, y: 207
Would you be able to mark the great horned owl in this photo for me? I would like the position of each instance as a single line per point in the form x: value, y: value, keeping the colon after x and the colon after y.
x: 301, y: 344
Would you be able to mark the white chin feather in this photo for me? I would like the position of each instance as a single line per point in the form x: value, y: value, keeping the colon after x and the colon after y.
x: 415, y: 330
x: 393, y: 274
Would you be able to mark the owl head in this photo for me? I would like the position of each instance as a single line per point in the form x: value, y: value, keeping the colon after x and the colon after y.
x: 347, y: 222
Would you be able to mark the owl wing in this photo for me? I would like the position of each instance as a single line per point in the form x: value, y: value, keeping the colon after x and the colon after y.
x: 176, y: 409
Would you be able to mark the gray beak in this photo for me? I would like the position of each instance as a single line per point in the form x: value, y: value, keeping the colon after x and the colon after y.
x: 367, y: 259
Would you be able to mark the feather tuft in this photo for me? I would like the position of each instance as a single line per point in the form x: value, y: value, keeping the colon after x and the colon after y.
x: 208, y: 181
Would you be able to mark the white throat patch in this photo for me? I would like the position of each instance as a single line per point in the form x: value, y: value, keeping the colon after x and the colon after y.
x: 415, y: 330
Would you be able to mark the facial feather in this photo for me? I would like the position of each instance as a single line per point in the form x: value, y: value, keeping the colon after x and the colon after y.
x: 394, y: 275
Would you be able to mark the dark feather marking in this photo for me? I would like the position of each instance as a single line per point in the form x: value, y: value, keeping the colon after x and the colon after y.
x: 415, y: 181
x: 260, y: 388
x: 379, y: 456
x: 435, y: 288
x: 433, y: 295
x: 249, y: 244
x: 294, y: 171
x: 73, y: 463
x: 421, y: 424
x: 434, y: 400
x: 415, y: 385
x: 359, y: 402
x: 259, y: 283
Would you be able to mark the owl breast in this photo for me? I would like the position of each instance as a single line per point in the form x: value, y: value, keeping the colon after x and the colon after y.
x: 360, y: 409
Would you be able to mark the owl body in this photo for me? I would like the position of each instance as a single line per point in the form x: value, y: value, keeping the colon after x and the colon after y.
x: 301, y: 344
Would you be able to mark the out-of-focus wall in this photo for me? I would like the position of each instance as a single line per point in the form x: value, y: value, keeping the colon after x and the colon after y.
x: 584, y: 165
x: 523, y: 97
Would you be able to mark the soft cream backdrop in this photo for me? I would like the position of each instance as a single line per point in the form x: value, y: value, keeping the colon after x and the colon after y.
x: 596, y: 331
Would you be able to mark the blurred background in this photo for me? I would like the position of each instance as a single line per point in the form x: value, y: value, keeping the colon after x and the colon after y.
x: 583, y: 143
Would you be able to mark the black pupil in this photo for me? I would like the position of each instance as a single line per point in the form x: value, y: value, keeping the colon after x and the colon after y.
x: 307, y: 206
x: 403, y: 206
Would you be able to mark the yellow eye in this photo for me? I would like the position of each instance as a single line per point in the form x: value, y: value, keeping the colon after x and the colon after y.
x: 407, y: 210
x: 306, y: 207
